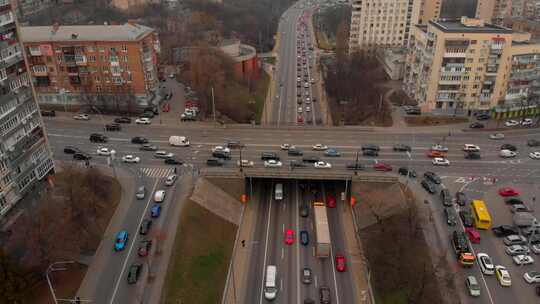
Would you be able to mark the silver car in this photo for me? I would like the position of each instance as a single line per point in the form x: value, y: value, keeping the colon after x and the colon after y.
x: 307, y: 276
x: 141, y: 192
x: 517, y: 249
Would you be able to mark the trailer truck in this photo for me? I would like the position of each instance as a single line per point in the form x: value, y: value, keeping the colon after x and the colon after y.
x: 322, y: 233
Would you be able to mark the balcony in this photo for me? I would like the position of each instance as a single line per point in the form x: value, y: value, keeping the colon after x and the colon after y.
x: 450, y: 82
x: 455, y: 55
x: 6, y: 19
x: 34, y: 51
x: 26, y: 143
x: 40, y: 70
x: 80, y: 60
x: 11, y: 60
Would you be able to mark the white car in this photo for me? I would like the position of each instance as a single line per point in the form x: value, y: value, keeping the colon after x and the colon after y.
x: 130, y: 159
x: 532, y: 277
x: 503, y: 276
x: 308, y: 109
x: 496, y: 136
x: 535, y: 248
x: 486, y: 264
x: 308, y: 101
x: 439, y: 148
x: 320, y: 147
x: 322, y: 165
x: 522, y: 259
x: 272, y: 163
x: 143, y: 121
x: 163, y: 154
x: 221, y: 149
x: 511, y: 123
x: 439, y: 161
x: 517, y: 250
x: 534, y: 155
x: 285, y: 147
x: 81, y: 117
x: 299, y: 109
x: 526, y: 122
x: 245, y: 163
x: 105, y: 151
x: 171, y: 179
x: 507, y: 154
x: 471, y: 148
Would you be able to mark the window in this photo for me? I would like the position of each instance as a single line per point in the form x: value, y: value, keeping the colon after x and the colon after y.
x: 101, y: 49
x: 92, y: 58
x: 124, y: 48
x: 90, y: 48
x: 125, y: 57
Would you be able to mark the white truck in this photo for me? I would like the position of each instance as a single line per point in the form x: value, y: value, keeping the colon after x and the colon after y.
x: 178, y: 141
x: 322, y: 233
x: 279, y: 192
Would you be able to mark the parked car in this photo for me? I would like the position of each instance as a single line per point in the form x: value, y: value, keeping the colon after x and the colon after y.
x: 122, y: 238
x: 450, y: 215
x: 145, y: 226
x: 514, y: 239
x: 466, y: 218
x: 134, y: 273
x: 461, y: 198
x: 428, y: 186
x: 432, y: 176
x: 504, y: 230
x: 486, y: 264
x: 517, y: 249
x: 472, y: 286
x: 503, y: 276
x: 522, y: 259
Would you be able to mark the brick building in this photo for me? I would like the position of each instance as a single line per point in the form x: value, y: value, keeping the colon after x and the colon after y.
x: 246, y: 61
x: 74, y: 65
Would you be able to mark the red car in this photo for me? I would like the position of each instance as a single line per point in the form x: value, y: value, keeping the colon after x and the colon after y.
x: 144, y: 247
x: 433, y: 153
x: 508, y: 192
x: 289, y: 236
x: 340, y: 263
x: 331, y: 202
x: 382, y: 167
x: 300, y: 119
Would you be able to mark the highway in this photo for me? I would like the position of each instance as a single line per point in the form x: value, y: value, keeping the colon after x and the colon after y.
x: 268, y: 246
x: 294, y: 41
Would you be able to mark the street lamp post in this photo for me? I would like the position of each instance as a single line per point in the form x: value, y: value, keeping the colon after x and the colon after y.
x: 50, y: 269
x: 240, y: 161
x: 356, y: 164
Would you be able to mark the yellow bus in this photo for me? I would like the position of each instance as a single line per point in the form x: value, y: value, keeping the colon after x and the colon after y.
x: 482, y: 219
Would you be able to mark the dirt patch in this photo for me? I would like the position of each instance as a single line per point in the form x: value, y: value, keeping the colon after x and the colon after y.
x: 434, y: 120
x: 66, y: 283
x: 399, y: 98
x: 218, y: 201
x: 233, y: 187
x: 397, y: 232
x: 199, y: 263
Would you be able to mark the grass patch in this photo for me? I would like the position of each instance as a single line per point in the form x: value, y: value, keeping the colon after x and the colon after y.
x: 270, y: 60
x: 434, y: 120
x: 323, y: 42
x: 202, y: 250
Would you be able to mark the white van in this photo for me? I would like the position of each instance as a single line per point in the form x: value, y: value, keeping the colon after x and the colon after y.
x: 279, y: 192
x: 507, y: 154
x: 179, y: 141
x: 159, y: 196
x: 270, y: 288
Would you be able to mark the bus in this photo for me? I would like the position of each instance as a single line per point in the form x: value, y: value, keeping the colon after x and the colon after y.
x: 482, y: 219
x: 279, y: 192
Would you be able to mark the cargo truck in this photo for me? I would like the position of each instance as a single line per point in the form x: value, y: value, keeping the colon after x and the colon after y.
x: 462, y: 249
x: 322, y: 233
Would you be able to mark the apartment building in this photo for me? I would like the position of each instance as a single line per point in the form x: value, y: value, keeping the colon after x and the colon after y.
x: 68, y: 63
x: 382, y: 23
x: 25, y: 158
x: 464, y: 66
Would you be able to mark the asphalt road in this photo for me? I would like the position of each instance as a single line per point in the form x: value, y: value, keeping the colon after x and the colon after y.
x: 294, y: 41
x: 268, y: 246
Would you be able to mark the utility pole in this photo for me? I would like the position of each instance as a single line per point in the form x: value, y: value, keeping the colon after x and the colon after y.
x: 241, y: 164
x: 213, y: 106
x: 356, y: 164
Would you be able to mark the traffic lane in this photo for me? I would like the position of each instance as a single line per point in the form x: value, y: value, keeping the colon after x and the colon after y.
x: 307, y: 256
x: 117, y: 262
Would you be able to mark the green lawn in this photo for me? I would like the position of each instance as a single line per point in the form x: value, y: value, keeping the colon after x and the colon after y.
x: 199, y: 264
x: 270, y: 60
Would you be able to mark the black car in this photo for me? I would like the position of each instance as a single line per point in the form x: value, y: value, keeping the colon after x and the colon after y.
x: 269, y: 156
x: 71, y: 150
x: 148, y: 147
x: 450, y: 215
x: 466, y: 217
x: 509, y: 147
x: 472, y: 155
x: 304, y: 210
x: 126, y: 120
x: 139, y: 140
x: 295, y: 152
x: 537, y: 290
x: 145, y: 226
x: 514, y: 200
x: 370, y: 153
x: 533, y: 143
x: 234, y: 144
x: 147, y: 115
x: 310, y: 159
x: 354, y: 166
x: 214, y: 162
x: 51, y: 113
x: 371, y: 147
x: 81, y: 156
x: 476, y: 125
x: 430, y: 187
x: 154, y: 110
x: 134, y: 273
x: 504, y: 230
x: 446, y: 197
x: 402, y: 148
x: 173, y: 161
x: 407, y: 171
x: 113, y: 127
x: 482, y: 116
x: 297, y: 164
x: 99, y: 138
x: 221, y: 155
x: 433, y: 177
x: 534, y: 239
x: 461, y: 198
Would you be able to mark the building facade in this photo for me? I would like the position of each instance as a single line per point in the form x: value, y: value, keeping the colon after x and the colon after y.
x: 25, y: 157
x: 246, y: 61
x: 464, y: 66
x: 71, y: 64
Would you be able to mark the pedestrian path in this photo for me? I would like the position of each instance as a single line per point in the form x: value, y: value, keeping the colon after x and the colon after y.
x: 157, y: 172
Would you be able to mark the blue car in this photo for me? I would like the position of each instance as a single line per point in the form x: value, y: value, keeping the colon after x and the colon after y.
x: 304, y: 237
x: 156, y: 210
x: 332, y: 152
x: 121, y: 240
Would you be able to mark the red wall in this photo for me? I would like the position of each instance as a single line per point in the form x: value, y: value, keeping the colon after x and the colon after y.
x: 248, y: 68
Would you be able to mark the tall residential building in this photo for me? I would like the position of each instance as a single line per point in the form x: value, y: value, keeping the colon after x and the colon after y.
x: 100, y: 62
x: 452, y: 9
x: 382, y: 23
x: 464, y: 66
x: 25, y: 157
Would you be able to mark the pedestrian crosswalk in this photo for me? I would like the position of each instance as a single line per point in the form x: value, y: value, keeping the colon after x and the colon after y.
x: 157, y: 172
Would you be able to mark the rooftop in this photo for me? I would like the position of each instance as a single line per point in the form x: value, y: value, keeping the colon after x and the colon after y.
x: 456, y: 26
x: 125, y: 32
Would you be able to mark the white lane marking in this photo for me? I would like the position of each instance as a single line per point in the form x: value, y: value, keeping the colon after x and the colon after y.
x: 282, y: 253
x: 281, y: 284
x: 120, y: 278
x: 316, y: 282
x: 332, y: 256
x: 283, y: 228
x: 266, y: 244
x: 297, y: 245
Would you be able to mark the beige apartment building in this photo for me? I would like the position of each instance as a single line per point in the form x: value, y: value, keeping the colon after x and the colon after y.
x: 464, y: 66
